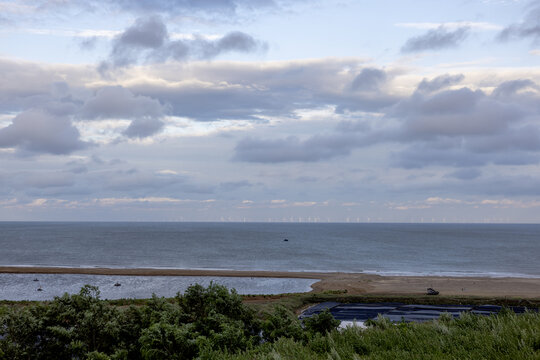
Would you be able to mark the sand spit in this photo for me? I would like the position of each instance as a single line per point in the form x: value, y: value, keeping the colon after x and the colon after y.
x: 354, y: 283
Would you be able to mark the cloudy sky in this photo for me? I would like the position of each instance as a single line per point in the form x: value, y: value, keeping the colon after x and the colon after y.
x: 270, y: 110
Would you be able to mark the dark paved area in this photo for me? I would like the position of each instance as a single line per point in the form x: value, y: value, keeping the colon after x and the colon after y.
x: 397, y: 312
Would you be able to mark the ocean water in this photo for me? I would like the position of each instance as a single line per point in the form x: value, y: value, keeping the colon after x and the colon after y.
x: 24, y: 286
x: 401, y: 249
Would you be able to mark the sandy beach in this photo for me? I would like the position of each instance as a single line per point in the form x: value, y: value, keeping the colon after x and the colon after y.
x: 354, y: 283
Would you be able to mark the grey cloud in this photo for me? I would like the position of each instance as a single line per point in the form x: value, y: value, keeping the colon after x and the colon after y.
x: 421, y: 155
x: 354, y: 126
x: 233, y: 41
x: 88, y: 43
x: 368, y: 92
x: 117, y: 102
x: 465, y: 174
x: 134, y: 180
x: 439, y: 82
x: 41, y: 132
x: 142, y: 183
x: 369, y: 79
x: 291, y: 148
x: 143, y: 127
x: 149, y: 32
x: 224, y: 90
x: 528, y: 29
x: 454, y: 113
x: 463, y: 127
x: 437, y: 126
x: 436, y: 39
x: 145, y: 33
x: 214, y: 7
x: 28, y: 85
x: 525, y: 138
x: 148, y: 39
x: 81, y: 169
x: 48, y: 180
x: 510, y: 88
x: 234, y: 185
x: 25, y: 87
x: 210, y: 104
x: 506, y: 185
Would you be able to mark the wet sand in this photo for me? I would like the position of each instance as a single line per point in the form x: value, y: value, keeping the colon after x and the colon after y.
x: 354, y: 283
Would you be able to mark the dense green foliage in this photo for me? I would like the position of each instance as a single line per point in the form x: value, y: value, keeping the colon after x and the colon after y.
x: 201, y: 321
x: 213, y: 323
x: 505, y: 336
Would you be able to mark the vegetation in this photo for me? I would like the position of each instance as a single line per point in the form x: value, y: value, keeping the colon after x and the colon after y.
x: 214, y: 323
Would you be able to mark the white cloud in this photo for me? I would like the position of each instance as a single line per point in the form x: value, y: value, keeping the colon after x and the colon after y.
x: 167, y: 172
x: 125, y: 200
x: 450, y: 25
x: 438, y: 200
x: 304, y: 203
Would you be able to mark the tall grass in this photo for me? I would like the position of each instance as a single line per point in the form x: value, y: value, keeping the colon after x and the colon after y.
x: 504, y: 336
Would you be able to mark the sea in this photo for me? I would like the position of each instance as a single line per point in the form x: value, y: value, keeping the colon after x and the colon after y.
x: 490, y: 250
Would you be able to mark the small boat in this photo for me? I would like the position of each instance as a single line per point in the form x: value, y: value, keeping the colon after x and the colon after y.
x: 39, y: 289
x: 117, y: 284
x: 431, y: 291
x: 36, y: 279
x: 285, y: 239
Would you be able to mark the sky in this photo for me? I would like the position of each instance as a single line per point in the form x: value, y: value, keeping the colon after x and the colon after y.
x: 270, y: 110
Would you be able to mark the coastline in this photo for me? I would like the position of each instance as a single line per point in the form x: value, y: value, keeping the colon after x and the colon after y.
x: 354, y: 283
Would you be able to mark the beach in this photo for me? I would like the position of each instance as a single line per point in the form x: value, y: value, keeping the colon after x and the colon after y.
x: 353, y: 283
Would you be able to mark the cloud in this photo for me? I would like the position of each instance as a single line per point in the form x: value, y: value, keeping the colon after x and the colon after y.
x: 191, y: 7
x: 369, y: 79
x: 465, y: 174
x: 232, y: 41
x: 234, y: 185
x: 143, y: 183
x: 527, y: 29
x: 290, y: 149
x: 512, y: 87
x: 454, y: 113
x: 436, y: 39
x: 436, y: 123
x: 465, y: 127
x: 148, y: 39
x: 226, y: 90
x: 438, y: 127
x: 38, y: 131
x: 368, y: 91
x: 120, y: 103
x: 439, y: 82
x: 116, y: 102
x: 451, y: 25
x: 146, y: 33
x: 48, y: 180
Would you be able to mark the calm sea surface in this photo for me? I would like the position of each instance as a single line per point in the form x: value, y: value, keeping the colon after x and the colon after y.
x: 422, y: 249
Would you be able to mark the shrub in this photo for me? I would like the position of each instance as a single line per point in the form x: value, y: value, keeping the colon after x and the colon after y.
x: 321, y: 323
x: 282, y: 323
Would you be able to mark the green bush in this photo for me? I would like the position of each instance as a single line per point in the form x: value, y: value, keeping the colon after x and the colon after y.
x: 282, y: 323
x: 321, y: 323
x: 212, y: 323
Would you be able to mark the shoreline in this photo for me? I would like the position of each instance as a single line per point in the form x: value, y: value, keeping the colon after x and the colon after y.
x: 353, y: 283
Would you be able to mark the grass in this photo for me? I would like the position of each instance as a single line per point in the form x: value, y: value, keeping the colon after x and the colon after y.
x: 299, y: 301
x: 506, y: 336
